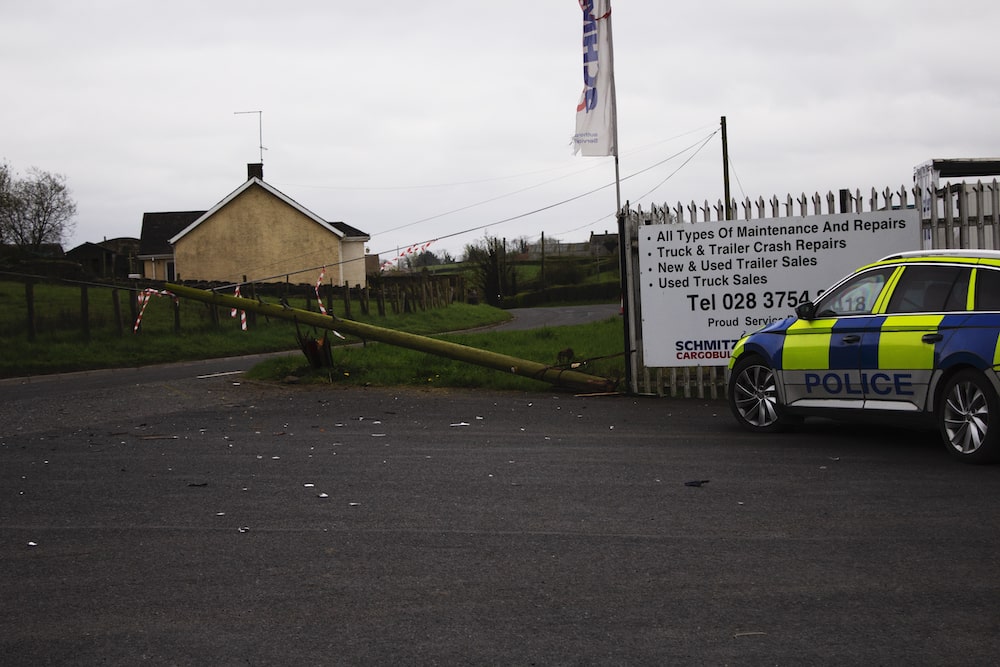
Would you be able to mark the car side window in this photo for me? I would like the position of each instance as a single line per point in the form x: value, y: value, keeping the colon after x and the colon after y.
x: 856, y: 296
x: 930, y: 289
x: 987, y: 289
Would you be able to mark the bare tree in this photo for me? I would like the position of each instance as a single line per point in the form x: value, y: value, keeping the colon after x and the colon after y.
x: 35, y: 210
x: 6, y: 199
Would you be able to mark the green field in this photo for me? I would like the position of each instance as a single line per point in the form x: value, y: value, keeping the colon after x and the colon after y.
x: 62, y: 343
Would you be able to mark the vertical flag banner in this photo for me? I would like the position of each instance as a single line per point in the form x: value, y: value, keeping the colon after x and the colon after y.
x: 596, y: 124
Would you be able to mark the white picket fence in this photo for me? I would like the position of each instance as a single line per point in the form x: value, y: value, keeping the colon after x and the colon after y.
x: 961, y: 215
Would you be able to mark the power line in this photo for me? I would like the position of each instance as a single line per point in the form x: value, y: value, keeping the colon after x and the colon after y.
x: 702, y: 142
x: 485, y: 201
x: 699, y: 144
x: 427, y: 186
x: 682, y: 165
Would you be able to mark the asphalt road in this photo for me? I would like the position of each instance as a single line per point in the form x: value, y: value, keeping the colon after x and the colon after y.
x: 205, y: 520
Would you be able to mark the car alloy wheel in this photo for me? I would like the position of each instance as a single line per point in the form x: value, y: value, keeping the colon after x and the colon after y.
x: 968, y: 407
x: 753, y: 395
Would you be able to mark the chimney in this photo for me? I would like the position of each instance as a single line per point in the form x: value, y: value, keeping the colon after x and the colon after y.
x: 255, y: 170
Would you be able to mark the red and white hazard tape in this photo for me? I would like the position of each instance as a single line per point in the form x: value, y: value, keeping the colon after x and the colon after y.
x: 418, y: 247
x: 243, y: 313
x: 319, y: 299
x: 144, y: 297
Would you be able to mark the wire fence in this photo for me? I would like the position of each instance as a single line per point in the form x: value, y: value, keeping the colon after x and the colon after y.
x: 37, y: 306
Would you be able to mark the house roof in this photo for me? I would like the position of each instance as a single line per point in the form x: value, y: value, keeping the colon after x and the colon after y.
x: 122, y: 245
x: 159, y: 228
x: 351, y: 232
x: 87, y: 248
x: 340, y: 229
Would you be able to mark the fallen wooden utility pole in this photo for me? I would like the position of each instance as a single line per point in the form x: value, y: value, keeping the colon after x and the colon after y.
x: 569, y: 379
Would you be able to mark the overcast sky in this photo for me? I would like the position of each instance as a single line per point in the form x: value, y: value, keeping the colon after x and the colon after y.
x: 415, y: 121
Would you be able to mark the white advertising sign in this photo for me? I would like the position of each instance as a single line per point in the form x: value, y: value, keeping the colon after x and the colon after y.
x: 704, y: 285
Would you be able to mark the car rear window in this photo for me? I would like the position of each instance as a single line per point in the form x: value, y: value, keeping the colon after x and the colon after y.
x: 925, y: 288
x: 987, y: 289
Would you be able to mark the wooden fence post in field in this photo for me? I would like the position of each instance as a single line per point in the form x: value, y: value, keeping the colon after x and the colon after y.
x: 309, y: 297
x: 251, y: 315
x: 213, y: 315
x: 85, y: 312
x: 347, y: 299
x: 133, y: 301
x: 116, y: 306
x: 29, y: 299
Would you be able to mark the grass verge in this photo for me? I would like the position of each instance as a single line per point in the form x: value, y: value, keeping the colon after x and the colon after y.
x: 61, y: 346
x: 597, y: 349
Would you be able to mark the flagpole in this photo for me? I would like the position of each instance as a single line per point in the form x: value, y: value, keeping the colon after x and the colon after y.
x: 624, y: 243
x: 614, y: 112
x: 597, y: 135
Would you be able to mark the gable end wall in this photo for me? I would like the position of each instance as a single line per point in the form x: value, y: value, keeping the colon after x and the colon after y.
x: 280, y: 239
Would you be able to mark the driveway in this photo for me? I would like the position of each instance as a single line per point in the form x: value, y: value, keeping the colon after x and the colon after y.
x: 557, y: 316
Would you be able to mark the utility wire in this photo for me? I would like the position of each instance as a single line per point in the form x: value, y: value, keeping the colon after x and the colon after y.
x: 480, y: 203
x: 699, y: 144
x: 732, y: 168
x: 427, y: 186
x: 703, y: 143
x: 682, y: 165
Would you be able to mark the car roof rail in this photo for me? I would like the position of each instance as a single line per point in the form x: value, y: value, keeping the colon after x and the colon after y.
x: 944, y: 252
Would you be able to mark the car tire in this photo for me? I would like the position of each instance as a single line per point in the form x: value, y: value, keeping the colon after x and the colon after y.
x: 753, y: 396
x: 969, y: 417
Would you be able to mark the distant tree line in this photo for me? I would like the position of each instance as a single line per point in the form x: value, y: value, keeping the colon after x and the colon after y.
x: 427, y: 258
x: 35, y: 210
x: 494, y: 274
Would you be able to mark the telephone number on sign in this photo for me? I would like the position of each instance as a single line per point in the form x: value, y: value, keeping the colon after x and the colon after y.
x: 747, y: 300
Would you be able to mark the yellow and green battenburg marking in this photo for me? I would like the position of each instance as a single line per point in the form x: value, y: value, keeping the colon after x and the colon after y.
x: 892, y: 342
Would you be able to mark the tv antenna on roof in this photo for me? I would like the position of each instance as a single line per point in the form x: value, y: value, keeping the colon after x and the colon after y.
x: 260, y: 130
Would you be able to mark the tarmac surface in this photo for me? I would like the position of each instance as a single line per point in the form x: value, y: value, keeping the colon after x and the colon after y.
x: 200, y: 519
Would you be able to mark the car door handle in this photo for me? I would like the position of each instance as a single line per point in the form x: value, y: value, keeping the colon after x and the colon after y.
x: 851, y: 338
x: 932, y: 338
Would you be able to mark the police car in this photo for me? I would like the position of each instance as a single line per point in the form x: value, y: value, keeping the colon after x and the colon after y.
x: 914, y: 334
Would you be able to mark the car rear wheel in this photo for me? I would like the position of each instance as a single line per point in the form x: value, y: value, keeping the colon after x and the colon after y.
x: 969, y: 417
x: 753, y: 396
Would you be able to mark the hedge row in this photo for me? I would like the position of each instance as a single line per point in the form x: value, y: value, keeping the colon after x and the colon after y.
x: 592, y: 293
